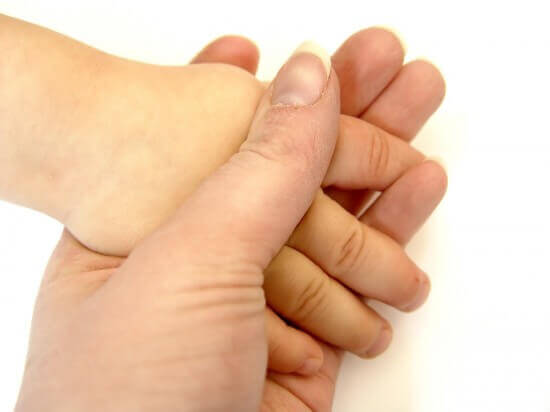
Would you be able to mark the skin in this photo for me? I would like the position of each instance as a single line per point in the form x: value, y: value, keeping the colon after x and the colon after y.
x: 179, y: 325
x: 143, y: 145
x: 403, y: 206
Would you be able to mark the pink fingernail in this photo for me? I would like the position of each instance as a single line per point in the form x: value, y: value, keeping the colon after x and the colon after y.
x: 303, y: 78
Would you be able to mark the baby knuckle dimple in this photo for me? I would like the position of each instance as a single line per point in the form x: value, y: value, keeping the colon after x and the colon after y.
x: 311, y: 299
x: 350, y: 251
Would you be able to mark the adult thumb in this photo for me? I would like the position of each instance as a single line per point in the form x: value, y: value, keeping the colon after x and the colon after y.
x: 247, y: 209
x: 206, y: 264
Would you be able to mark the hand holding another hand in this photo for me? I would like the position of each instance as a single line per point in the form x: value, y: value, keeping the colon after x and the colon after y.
x: 213, y: 251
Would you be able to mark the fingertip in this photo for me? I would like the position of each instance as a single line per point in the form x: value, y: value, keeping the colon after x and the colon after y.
x: 390, y: 38
x: 422, y: 292
x: 435, y: 175
x: 239, y: 41
x: 313, y: 357
x: 291, y: 350
x: 242, y: 50
x: 404, y: 207
x: 426, y: 73
x: 379, y: 39
x: 382, y: 342
x: 366, y: 62
x: 413, y: 95
x: 231, y: 49
x: 302, y: 80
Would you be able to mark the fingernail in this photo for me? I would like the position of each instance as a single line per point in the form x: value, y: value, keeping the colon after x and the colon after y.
x: 383, y: 341
x: 303, y: 78
x: 310, y: 366
x: 421, y: 295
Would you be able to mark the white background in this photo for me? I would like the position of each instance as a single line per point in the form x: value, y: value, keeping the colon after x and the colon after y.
x: 482, y: 341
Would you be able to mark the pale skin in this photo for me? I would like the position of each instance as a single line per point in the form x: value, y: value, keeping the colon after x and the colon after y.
x: 143, y: 130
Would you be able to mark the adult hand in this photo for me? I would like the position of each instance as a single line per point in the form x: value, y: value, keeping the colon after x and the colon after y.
x: 179, y: 324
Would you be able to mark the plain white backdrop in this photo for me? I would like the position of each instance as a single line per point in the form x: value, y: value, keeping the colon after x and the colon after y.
x: 482, y: 342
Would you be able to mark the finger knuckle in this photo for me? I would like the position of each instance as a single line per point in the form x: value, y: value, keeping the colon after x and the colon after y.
x: 351, y: 250
x: 378, y: 153
x: 311, y: 300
